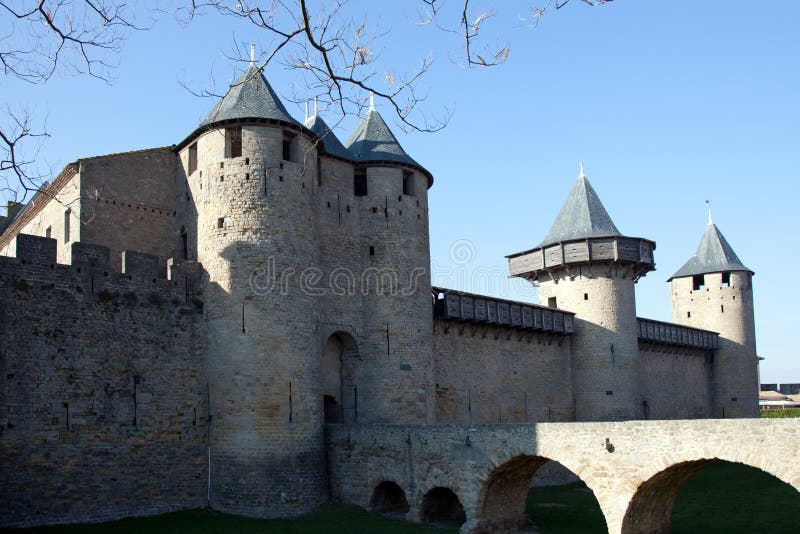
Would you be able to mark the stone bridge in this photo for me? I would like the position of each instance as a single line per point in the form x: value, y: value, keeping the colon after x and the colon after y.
x: 634, y: 468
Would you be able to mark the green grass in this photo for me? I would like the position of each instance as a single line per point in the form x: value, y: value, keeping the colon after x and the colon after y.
x: 720, y: 498
x: 570, y: 509
x: 733, y: 498
x: 789, y: 412
x: 331, y: 518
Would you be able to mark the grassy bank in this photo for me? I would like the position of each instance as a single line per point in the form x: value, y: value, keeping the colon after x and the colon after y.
x: 789, y: 412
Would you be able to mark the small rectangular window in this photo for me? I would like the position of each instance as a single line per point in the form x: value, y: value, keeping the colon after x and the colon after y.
x: 192, y: 158
x: 408, y: 183
x: 233, y: 142
x: 360, y: 182
x: 221, y: 222
x: 288, y: 140
x: 698, y: 282
x: 552, y: 303
x: 67, y: 217
x: 726, y: 279
x: 48, y: 232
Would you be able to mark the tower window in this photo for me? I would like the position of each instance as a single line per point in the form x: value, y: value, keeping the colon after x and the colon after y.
x: 586, y: 296
x: 360, y: 182
x: 233, y: 142
x: 371, y: 251
x: 192, y: 158
x: 726, y: 279
x: 722, y: 308
x: 698, y: 282
x: 48, y: 232
x: 185, y: 243
x: 67, y: 217
x: 408, y: 183
x: 221, y: 222
x: 688, y: 315
x: 288, y: 139
x: 552, y: 303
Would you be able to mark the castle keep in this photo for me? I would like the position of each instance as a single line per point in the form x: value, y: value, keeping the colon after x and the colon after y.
x: 178, y: 325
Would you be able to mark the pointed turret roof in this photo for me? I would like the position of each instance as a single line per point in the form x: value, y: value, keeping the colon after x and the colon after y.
x: 581, y: 216
x: 714, y: 254
x: 330, y: 142
x: 372, y: 140
x: 250, y: 97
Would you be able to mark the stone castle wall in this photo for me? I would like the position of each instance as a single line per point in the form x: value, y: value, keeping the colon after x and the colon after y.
x: 103, y: 409
x: 675, y: 382
x: 491, y: 374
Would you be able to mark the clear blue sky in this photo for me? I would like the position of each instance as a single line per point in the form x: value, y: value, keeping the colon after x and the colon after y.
x: 668, y: 103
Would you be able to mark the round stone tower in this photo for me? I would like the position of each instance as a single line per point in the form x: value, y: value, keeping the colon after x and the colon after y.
x: 714, y: 291
x: 586, y: 266
x: 250, y: 171
x: 391, y: 196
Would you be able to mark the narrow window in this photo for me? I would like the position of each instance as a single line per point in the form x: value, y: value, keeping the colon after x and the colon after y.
x: 688, y: 315
x: 408, y: 183
x: 360, y: 182
x: 551, y: 302
x: 288, y: 138
x: 185, y: 242
x: 233, y: 142
x: 722, y: 308
x: 586, y: 296
x: 67, y: 217
x: 192, y: 158
x: 221, y: 178
x: 48, y: 232
x: 371, y: 251
x: 221, y: 222
x: 698, y: 282
x: 726, y: 279
x: 247, y: 161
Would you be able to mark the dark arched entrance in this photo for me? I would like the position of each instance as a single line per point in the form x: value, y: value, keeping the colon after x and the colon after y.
x: 712, y: 495
x: 389, y: 499
x: 339, y: 389
x: 507, y: 502
x: 442, y: 507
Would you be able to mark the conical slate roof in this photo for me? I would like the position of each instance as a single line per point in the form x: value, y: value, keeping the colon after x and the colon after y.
x: 372, y: 140
x: 714, y: 254
x: 250, y: 97
x: 581, y: 216
x: 330, y: 142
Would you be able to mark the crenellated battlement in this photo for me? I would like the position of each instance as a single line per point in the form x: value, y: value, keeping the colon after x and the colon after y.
x: 144, y: 278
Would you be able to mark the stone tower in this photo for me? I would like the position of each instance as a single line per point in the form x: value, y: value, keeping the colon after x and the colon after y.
x: 585, y: 265
x: 391, y: 193
x: 714, y: 291
x: 249, y: 168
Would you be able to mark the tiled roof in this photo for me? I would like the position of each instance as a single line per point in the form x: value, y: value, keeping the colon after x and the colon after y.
x: 713, y: 255
x: 372, y: 140
x: 330, y: 142
x: 581, y: 216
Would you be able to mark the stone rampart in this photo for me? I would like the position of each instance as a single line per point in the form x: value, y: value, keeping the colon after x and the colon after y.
x: 103, y: 407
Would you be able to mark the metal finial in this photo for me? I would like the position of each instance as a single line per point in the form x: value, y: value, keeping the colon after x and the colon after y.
x: 371, y: 101
x: 252, y: 53
x: 306, y: 117
x: 315, y: 106
x: 582, y: 174
x: 710, y: 219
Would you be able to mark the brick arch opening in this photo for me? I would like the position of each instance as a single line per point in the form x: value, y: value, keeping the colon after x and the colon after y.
x: 389, y: 499
x: 502, y: 499
x: 339, y: 387
x: 442, y: 507
x: 651, y: 508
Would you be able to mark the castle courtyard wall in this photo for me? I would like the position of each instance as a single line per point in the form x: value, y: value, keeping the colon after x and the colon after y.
x: 102, y: 392
x: 675, y: 382
x: 489, y: 374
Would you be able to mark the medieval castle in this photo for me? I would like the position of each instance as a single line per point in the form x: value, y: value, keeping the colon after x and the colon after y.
x: 281, y: 283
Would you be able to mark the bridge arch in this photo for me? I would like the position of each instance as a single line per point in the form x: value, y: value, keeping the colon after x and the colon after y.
x: 441, y: 506
x: 389, y: 499
x: 650, y: 510
x: 502, y: 497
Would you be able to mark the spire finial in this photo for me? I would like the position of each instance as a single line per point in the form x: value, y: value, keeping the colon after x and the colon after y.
x: 252, y: 54
x: 306, y: 117
x: 710, y: 219
x: 315, y: 106
x: 371, y: 101
x: 582, y: 174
